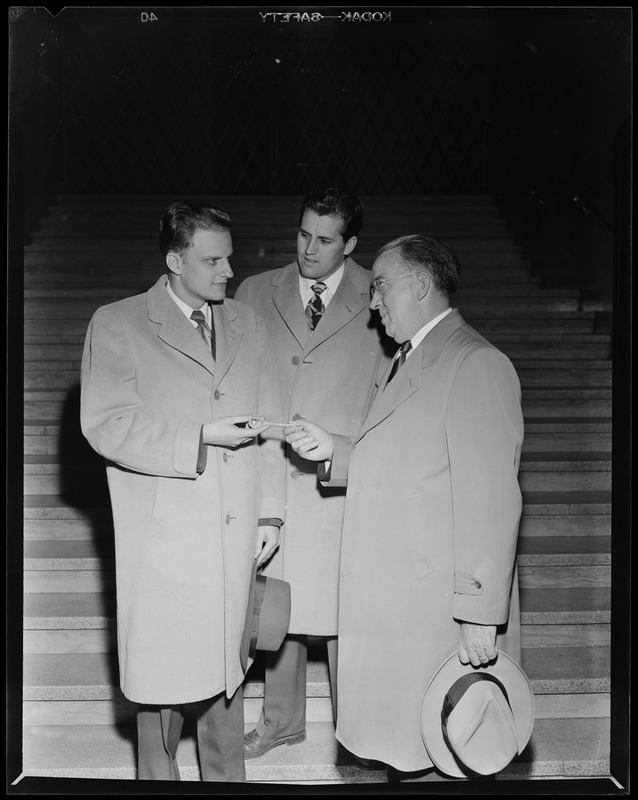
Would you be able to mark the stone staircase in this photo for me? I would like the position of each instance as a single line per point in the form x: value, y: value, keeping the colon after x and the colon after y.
x: 92, y: 250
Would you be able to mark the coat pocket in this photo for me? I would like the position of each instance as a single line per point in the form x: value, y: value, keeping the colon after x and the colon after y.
x: 416, y: 522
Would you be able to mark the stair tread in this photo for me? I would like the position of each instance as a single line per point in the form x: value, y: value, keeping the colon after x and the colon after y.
x: 557, y: 746
x: 532, y: 550
x: 84, y: 676
x: 75, y: 610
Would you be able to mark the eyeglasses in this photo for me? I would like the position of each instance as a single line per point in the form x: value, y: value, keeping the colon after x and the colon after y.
x: 378, y: 285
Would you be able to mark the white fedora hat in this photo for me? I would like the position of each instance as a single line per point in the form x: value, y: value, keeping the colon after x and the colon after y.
x: 476, y: 720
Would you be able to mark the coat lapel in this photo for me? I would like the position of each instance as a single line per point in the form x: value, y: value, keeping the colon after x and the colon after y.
x: 411, y: 375
x: 287, y: 301
x: 349, y: 300
x: 227, y: 338
x: 175, y: 330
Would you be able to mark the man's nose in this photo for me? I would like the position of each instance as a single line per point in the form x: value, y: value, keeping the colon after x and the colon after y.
x: 311, y: 246
x: 374, y: 301
x: 227, y: 270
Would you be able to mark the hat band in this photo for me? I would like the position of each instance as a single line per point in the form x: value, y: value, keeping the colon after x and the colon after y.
x: 458, y: 689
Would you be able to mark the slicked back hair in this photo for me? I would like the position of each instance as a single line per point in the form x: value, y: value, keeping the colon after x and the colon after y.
x: 431, y: 255
x: 336, y: 202
x: 181, y: 221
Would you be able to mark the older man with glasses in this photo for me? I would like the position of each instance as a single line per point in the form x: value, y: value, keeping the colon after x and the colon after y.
x: 432, y: 509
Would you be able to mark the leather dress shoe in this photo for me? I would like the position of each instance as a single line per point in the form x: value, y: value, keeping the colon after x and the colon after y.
x: 368, y: 763
x: 256, y: 745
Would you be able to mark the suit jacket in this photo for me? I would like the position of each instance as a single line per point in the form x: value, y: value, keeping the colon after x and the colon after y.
x: 184, y: 542
x: 430, y: 533
x: 327, y: 377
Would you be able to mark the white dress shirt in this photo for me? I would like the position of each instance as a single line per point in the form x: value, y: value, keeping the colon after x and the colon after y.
x: 332, y: 284
x: 206, y: 310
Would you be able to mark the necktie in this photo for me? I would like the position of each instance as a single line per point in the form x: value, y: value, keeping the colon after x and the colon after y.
x: 398, y: 362
x: 315, y: 307
x: 207, y: 334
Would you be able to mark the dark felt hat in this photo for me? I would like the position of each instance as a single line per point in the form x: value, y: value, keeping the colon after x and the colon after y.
x: 267, y: 615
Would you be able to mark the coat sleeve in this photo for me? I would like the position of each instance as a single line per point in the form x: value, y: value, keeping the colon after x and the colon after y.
x: 485, y: 434
x: 113, y: 416
x: 273, y: 466
x: 336, y: 475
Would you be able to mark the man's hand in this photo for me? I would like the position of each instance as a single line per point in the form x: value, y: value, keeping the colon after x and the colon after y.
x: 269, y: 536
x: 477, y: 644
x: 310, y: 441
x: 225, y: 433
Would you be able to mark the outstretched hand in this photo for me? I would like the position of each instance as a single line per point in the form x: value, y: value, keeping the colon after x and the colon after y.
x: 226, y: 433
x: 310, y: 441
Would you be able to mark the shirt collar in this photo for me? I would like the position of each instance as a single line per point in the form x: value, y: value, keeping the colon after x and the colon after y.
x: 420, y: 335
x: 332, y: 282
x: 185, y: 308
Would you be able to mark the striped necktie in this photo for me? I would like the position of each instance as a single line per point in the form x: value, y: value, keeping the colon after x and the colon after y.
x: 207, y: 334
x: 315, y: 307
x: 398, y: 362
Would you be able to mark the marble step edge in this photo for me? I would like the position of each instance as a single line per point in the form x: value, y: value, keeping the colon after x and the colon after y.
x: 531, y: 461
x: 534, y: 503
x: 95, y: 611
x: 93, y: 676
x: 557, y: 748
x: 106, y: 564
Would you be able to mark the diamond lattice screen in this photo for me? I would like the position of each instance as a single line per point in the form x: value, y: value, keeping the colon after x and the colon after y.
x: 203, y: 103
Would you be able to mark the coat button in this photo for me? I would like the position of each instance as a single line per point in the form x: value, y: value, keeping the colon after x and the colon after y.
x: 217, y: 394
x: 294, y: 474
x: 228, y: 519
x: 296, y: 417
x: 225, y: 456
x: 478, y: 584
x: 295, y: 360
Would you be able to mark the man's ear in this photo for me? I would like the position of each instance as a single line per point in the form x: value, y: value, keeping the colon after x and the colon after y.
x: 422, y: 284
x: 350, y: 245
x: 174, y: 262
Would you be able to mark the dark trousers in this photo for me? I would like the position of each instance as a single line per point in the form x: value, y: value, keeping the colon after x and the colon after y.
x: 220, y: 739
x: 284, y: 711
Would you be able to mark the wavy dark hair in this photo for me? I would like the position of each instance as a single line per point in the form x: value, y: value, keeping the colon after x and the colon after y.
x: 180, y: 221
x: 336, y: 202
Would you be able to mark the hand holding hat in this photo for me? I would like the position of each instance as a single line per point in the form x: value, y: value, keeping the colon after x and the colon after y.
x: 476, y: 720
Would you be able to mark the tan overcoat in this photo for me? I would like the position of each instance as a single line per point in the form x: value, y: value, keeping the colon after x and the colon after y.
x: 327, y: 377
x: 184, y: 542
x: 430, y: 533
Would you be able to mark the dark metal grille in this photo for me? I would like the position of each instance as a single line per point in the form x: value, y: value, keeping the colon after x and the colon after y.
x: 211, y: 103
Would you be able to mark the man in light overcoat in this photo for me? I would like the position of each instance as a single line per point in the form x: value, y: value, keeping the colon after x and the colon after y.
x: 169, y: 378
x: 328, y: 352
x: 432, y: 511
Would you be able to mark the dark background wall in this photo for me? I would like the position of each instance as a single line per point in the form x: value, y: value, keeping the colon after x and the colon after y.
x: 522, y: 104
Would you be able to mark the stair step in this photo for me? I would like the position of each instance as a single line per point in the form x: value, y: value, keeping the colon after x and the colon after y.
x: 567, y: 424
x: 95, y: 554
x: 565, y: 525
x: 582, y: 606
x: 94, y: 676
x: 557, y: 748
x: 535, y: 503
x: 98, y: 575
x: 93, y: 611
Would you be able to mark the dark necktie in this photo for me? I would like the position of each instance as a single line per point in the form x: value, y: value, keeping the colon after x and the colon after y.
x: 398, y: 362
x: 315, y: 307
x: 207, y: 334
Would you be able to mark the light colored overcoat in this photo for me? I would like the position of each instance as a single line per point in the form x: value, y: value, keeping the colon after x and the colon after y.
x: 184, y: 542
x: 430, y: 533
x: 327, y: 377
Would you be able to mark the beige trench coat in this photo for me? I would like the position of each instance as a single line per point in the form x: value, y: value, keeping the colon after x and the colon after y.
x: 327, y: 377
x: 184, y: 542
x: 430, y: 533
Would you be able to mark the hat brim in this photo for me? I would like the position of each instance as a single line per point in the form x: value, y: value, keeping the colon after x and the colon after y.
x: 520, y: 696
